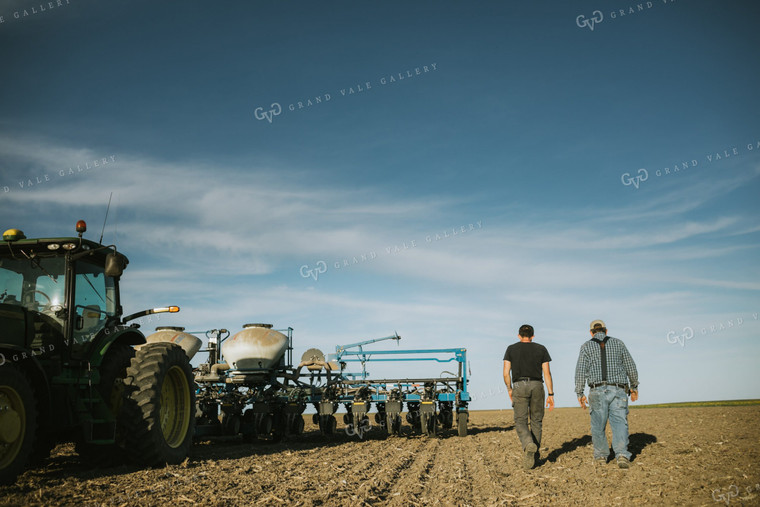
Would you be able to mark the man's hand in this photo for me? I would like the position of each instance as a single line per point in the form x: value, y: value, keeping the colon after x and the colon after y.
x: 509, y: 391
x: 550, y: 403
x: 582, y: 400
x: 634, y: 395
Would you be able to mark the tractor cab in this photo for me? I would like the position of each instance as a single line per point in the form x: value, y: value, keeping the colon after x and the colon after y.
x: 57, y: 293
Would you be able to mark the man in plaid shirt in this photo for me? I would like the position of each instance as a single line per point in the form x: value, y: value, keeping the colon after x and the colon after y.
x: 608, y: 368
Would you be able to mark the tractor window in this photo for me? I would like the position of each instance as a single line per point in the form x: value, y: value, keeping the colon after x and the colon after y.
x: 49, y: 292
x: 38, y: 285
x: 10, y: 286
x: 95, y: 299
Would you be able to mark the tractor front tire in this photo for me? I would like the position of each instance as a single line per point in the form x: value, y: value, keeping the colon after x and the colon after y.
x: 159, y: 408
x: 18, y: 423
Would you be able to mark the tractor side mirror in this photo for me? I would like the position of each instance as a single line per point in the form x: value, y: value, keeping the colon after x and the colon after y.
x: 114, y: 265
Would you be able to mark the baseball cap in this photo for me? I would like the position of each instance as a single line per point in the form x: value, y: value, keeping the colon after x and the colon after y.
x: 597, y: 323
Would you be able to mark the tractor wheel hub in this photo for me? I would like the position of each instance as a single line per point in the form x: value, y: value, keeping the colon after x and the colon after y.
x: 10, y: 426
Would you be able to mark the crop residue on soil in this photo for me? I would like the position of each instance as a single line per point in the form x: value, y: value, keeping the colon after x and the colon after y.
x: 682, y: 456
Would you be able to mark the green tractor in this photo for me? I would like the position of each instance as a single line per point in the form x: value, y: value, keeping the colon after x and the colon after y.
x: 72, y: 368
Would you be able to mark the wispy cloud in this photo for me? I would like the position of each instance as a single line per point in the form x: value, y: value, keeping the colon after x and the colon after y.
x: 259, y: 222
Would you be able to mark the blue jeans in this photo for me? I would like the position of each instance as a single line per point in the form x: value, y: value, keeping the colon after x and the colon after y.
x: 609, y: 402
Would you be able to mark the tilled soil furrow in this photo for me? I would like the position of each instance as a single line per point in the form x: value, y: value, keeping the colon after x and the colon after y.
x: 495, y: 477
x: 451, y: 483
x: 487, y: 478
x: 379, y: 488
x: 410, y: 486
x: 683, y: 456
x: 350, y: 477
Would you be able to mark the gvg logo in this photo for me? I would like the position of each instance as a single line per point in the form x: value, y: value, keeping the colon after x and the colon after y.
x: 596, y: 17
x: 688, y: 334
x: 274, y: 110
x: 732, y: 492
x: 361, y: 429
x: 628, y: 180
x: 318, y: 269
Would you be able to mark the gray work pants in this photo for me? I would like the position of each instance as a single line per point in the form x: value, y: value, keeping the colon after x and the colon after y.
x: 528, y: 404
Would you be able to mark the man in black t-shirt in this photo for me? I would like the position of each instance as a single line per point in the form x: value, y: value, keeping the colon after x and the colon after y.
x: 527, y: 361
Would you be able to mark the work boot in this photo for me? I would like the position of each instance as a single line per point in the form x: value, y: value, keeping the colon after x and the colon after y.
x: 529, y: 459
x: 623, y: 462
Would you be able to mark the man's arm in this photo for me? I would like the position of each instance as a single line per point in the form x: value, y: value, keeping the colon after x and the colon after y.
x: 507, y: 380
x: 581, y: 369
x: 632, y: 373
x: 549, y: 385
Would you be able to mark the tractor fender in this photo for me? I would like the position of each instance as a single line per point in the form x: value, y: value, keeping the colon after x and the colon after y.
x: 107, y: 338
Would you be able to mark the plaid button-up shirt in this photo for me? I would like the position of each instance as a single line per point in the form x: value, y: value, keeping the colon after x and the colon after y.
x: 620, y: 366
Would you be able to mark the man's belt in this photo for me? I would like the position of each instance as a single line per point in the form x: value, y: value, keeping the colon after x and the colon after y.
x: 600, y: 384
x: 525, y: 379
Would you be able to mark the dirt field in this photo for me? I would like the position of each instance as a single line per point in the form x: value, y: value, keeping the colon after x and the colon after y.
x: 682, y: 456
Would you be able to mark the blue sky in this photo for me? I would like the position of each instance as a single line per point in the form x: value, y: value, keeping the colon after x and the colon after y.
x: 526, y: 125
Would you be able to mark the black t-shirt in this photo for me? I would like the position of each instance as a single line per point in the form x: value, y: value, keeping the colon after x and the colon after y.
x: 526, y: 359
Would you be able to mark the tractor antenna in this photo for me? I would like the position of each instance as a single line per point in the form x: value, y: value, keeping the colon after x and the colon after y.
x: 104, y: 220
x: 116, y: 220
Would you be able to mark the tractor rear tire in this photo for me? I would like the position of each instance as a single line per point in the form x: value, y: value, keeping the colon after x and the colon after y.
x: 113, y: 370
x: 18, y: 423
x: 44, y: 443
x: 159, y: 408
x: 44, y: 439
